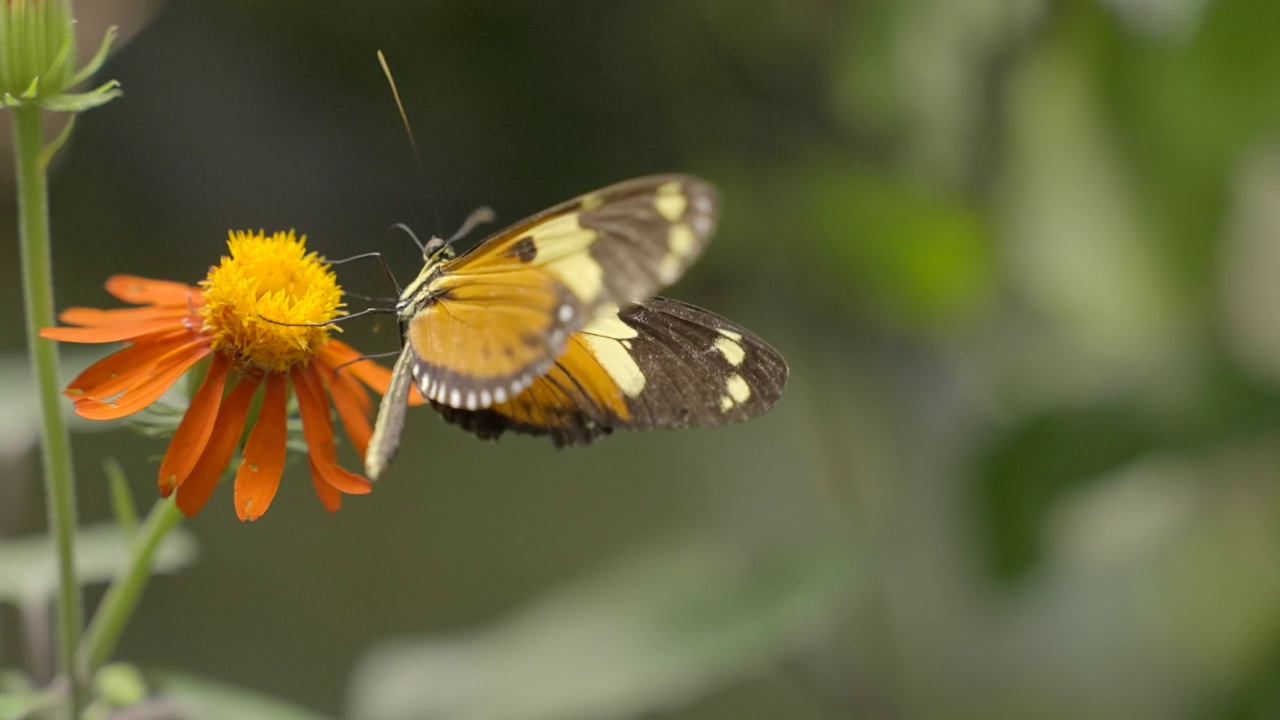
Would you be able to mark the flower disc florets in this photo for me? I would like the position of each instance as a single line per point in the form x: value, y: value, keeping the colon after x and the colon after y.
x: 260, y: 301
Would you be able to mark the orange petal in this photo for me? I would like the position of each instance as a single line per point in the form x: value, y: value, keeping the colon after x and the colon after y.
x: 344, y: 480
x: 196, y: 427
x: 337, y: 352
x: 121, y: 370
x: 94, y: 317
x: 166, y: 372
x: 144, y: 291
x: 352, y: 401
x: 110, y: 333
x: 330, y: 375
x: 194, y: 492
x: 371, y: 373
x: 329, y: 495
x: 316, y: 429
x: 318, y: 432
x: 259, y: 475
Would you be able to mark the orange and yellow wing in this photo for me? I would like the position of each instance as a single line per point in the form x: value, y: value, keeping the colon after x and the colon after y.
x: 493, y: 320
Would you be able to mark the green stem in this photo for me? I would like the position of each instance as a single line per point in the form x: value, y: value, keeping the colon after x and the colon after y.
x: 37, y: 285
x: 118, y: 604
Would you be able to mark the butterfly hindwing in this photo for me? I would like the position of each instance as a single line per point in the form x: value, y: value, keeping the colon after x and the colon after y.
x: 656, y: 364
x: 488, y: 323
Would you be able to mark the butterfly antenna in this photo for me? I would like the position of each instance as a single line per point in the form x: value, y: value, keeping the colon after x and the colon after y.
x: 362, y: 358
x: 407, y: 231
x: 381, y: 261
x: 369, y: 298
x: 404, y: 118
x: 361, y: 256
x: 335, y: 321
x: 479, y: 216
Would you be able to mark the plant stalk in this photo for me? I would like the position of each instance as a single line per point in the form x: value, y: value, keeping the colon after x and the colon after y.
x: 37, y: 286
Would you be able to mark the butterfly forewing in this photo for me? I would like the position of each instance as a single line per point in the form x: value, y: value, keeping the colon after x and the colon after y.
x: 489, y: 323
x: 656, y: 364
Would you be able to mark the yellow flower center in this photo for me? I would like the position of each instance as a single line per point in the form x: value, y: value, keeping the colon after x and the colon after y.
x: 259, y: 299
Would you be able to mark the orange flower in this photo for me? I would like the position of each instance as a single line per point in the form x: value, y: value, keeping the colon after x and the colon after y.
x: 254, y: 316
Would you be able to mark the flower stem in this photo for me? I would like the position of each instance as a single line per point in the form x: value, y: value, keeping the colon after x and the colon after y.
x: 37, y: 285
x: 118, y: 604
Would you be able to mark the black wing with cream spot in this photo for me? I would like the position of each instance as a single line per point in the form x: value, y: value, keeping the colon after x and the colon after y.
x: 657, y: 364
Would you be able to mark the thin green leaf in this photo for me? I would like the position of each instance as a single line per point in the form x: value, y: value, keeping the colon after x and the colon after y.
x: 121, y: 499
x: 79, y: 102
x: 98, y: 59
x: 56, y: 69
x: 655, y: 629
x: 50, y: 150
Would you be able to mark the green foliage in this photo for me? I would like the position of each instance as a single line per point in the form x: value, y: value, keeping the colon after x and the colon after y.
x: 27, y: 564
x: 18, y: 706
x: 190, y: 696
x: 654, y: 629
x: 20, y: 413
x: 916, y: 257
x: 1035, y: 465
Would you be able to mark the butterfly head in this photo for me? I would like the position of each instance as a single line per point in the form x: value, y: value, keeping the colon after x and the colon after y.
x: 437, y: 250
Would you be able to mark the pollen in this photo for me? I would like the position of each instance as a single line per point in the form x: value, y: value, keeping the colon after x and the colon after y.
x: 263, y: 300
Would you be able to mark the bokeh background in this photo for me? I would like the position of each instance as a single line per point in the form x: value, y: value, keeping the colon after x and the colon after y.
x: 1022, y: 257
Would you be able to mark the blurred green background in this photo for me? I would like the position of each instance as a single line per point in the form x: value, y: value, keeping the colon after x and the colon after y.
x: 1023, y: 259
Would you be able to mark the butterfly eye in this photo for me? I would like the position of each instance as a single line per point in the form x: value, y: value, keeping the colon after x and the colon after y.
x: 432, y: 247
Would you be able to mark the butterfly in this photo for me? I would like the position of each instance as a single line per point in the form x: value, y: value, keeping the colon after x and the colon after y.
x: 550, y: 327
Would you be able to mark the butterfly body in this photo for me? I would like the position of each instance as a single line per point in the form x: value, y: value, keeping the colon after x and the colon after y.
x: 549, y: 326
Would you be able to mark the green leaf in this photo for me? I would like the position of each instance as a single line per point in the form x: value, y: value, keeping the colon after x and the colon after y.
x: 209, y: 700
x: 120, y: 685
x: 98, y: 59
x: 28, y: 569
x: 16, y: 706
x: 121, y: 499
x: 32, y: 90
x: 20, y: 412
x: 79, y: 102
x: 920, y: 257
x: 51, y: 150
x: 1031, y: 466
x: 1249, y: 259
x: 657, y: 628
